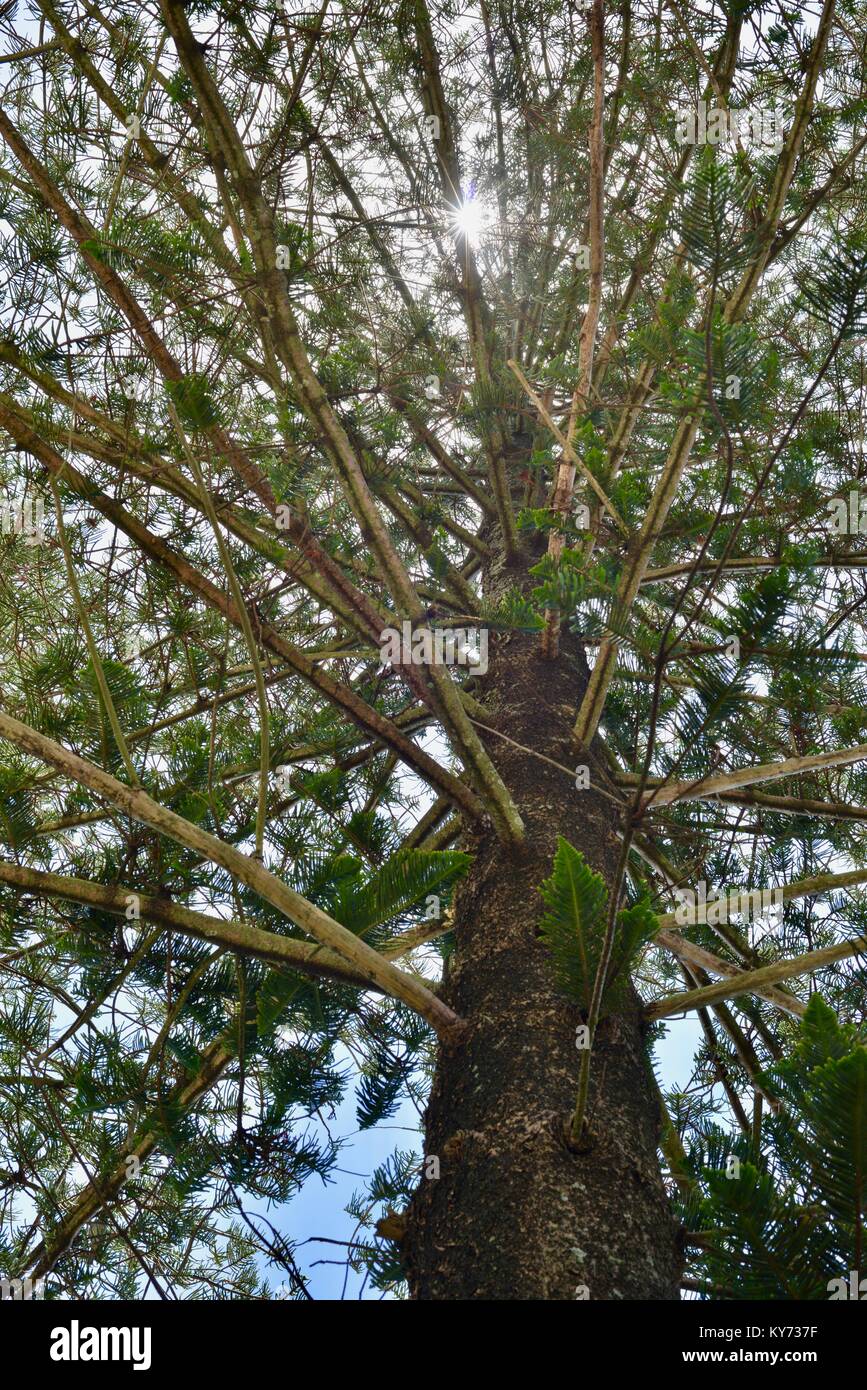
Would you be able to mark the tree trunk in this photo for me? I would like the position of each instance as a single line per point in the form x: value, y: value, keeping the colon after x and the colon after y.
x: 514, y: 1213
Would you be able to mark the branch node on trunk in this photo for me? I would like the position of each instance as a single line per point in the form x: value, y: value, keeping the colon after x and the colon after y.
x: 581, y: 1143
x: 392, y: 1227
x: 456, y: 1035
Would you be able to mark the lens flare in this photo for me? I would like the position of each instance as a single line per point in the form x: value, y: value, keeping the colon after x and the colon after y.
x: 468, y: 220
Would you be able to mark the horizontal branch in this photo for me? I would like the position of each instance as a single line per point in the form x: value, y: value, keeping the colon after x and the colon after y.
x: 706, y: 960
x: 756, y: 981
x: 706, y: 788
x: 855, y: 560
x: 136, y: 803
x: 229, y: 933
x: 815, y: 886
x: 783, y: 805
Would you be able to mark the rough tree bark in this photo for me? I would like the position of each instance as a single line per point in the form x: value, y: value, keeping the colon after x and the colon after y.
x: 514, y: 1213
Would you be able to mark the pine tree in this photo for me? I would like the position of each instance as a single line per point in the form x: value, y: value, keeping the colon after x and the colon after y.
x: 432, y: 519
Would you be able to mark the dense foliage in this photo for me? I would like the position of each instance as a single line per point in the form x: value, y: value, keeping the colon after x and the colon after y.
x: 305, y: 315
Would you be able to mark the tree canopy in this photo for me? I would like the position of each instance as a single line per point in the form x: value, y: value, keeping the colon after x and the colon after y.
x: 536, y: 322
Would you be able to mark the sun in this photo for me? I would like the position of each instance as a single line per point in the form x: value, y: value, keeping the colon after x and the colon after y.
x: 468, y: 220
